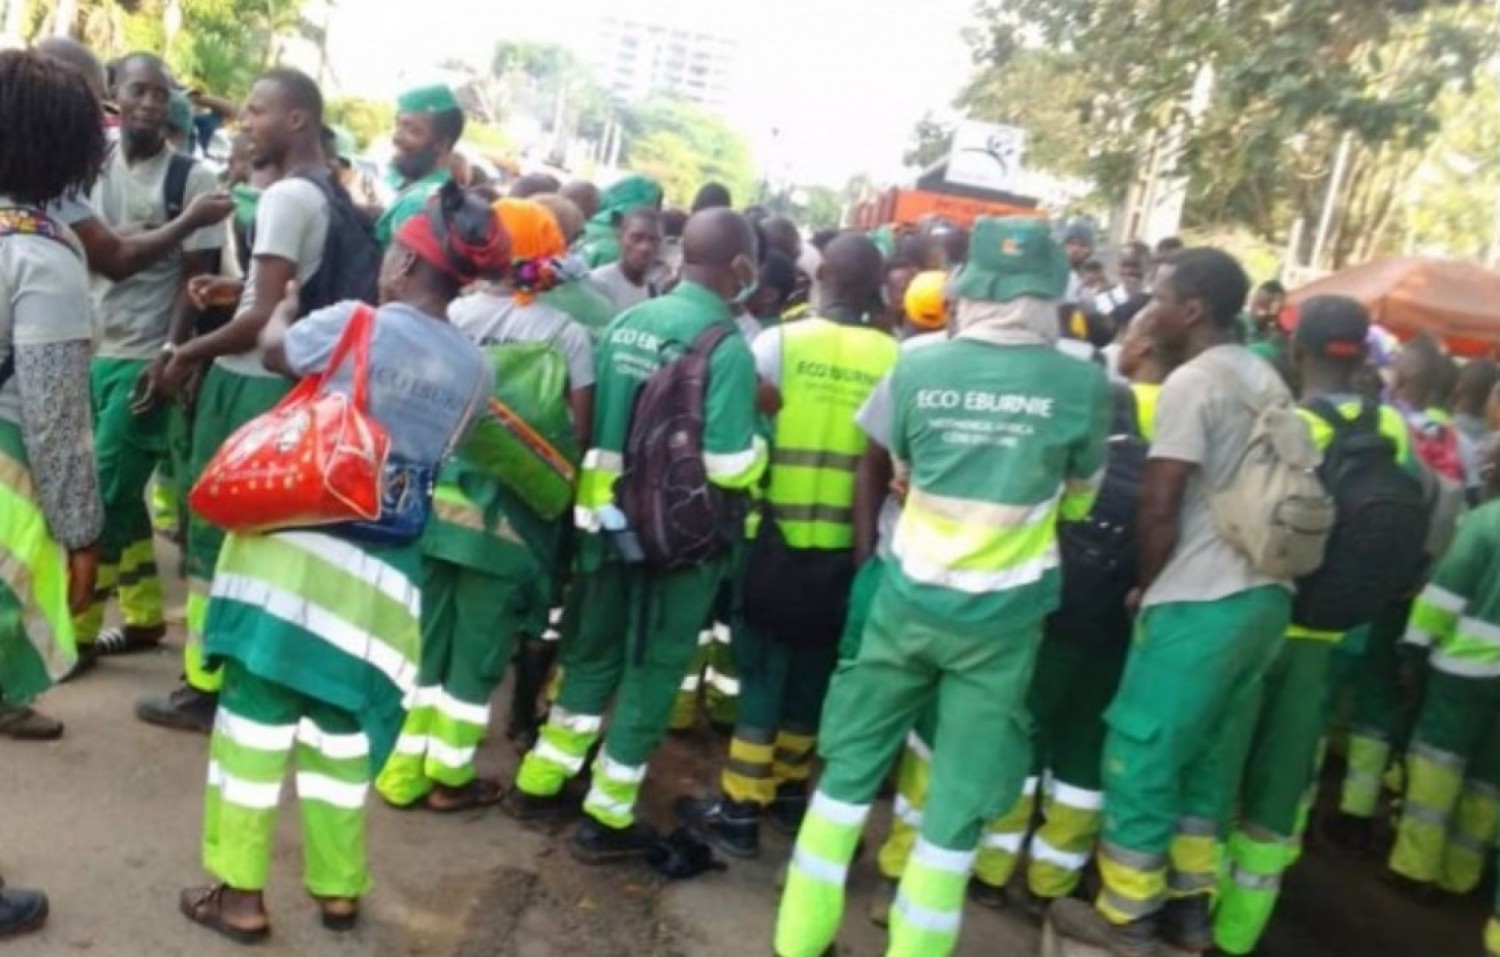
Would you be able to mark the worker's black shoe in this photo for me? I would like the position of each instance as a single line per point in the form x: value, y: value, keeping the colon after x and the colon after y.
x: 185, y: 709
x: 1081, y: 921
x: 21, y: 912
x: 594, y: 843
x: 988, y: 895
x: 1185, y: 924
x: 789, y: 808
x: 1355, y: 835
x: 731, y: 826
x: 538, y: 807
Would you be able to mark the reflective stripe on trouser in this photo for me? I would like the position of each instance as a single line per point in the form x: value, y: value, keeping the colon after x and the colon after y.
x: 127, y: 449
x: 259, y: 726
x: 913, y: 776
x: 470, y: 621
x: 906, y: 666
x: 1492, y: 937
x: 615, y: 789
x: 36, y: 632
x: 1471, y: 837
x: 812, y: 904
x: 1175, y: 749
x: 1062, y: 847
x: 1380, y: 717
x: 1004, y: 837
x: 1458, y: 726
x: 783, y: 686
x: 636, y: 633
x: 164, y: 503
x: 226, y: 401
x: 1279, y: 772
x: 929, y: 904
x: 1366, y: 762
x: 1249, y: 888
x: 711, y: 678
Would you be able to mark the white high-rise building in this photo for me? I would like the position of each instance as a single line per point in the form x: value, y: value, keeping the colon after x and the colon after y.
x: 635, y: 59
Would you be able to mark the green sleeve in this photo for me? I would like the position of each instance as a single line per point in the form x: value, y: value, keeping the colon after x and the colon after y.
x: 734, y: 454
x: 1089, y: 457
x: 900, y: 447
x: 1458, y: 576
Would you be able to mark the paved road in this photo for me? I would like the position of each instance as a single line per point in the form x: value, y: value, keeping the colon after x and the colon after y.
x: 107, y: 820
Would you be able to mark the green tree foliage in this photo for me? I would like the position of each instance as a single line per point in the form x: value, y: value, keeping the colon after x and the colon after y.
x: 368, y: 120
x: 683, y: 146
x: 1453, y: 204
x: 930, y: 142
x: 1285, y: 82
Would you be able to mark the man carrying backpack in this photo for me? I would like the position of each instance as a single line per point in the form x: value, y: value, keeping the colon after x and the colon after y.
x: 306, y: 234
x: 1213, y: 618
x: 997, y: 436
x: 1374, y: 557
x: 801, y: 564
x: 138, y: 320
x: 638, y: 604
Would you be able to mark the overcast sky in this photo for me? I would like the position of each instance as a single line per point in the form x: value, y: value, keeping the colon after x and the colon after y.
x: 841, y: 105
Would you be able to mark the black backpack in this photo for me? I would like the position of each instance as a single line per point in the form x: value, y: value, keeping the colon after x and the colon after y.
x: 1375, y: 553
x: 680, y: 517
x: 1099, y: 565
x: 174, y: 199
x: 351, y: 254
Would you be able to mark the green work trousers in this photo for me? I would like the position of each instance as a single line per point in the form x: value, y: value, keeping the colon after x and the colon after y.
x: 1382, y: 716
x: 1448, y: 820
x: 127, y: 449
x: 1274, y: 793
x: 1177, y: 733
x: 261, y: 726
x: 635, y: 632
x: 1073, y: 687
x: 470, y: 622
x: 976, y: 678
x: 226, y: 401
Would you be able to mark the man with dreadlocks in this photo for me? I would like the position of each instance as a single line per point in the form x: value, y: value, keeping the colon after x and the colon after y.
x: 48, y: 530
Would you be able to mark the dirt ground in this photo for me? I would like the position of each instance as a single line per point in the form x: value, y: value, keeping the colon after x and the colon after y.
x: 107, y: 821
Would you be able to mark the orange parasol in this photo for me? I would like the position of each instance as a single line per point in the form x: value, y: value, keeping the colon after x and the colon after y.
x: 1459, y: 302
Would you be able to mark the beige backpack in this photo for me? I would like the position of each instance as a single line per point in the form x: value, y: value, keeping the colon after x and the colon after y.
x: 1274, y: 509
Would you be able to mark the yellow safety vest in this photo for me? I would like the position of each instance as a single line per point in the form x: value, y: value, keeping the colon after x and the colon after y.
x: 828, y: 370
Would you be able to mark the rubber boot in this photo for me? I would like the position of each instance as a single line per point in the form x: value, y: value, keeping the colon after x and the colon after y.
x: 731, y: 826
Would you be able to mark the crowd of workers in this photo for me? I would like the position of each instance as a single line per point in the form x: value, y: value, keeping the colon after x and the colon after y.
x: 941, y: 503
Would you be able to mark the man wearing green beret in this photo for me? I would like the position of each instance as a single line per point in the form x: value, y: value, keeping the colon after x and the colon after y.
x: 429, y: 124
x: 995, y: 436
x: 601, y: 241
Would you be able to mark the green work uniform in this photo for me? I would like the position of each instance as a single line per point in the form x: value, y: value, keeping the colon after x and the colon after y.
x: 1284, y: 748
x: 226, y: 401
x: 998, y: 443
x: 411, y: 197
x: 1448, y: 819
x: 486, y: 569
x: 634, y: 630
x: 127, y: 448
x: 825, y: 372
x: 583, y: 303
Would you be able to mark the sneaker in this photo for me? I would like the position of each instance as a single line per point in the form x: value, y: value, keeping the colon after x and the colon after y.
x: 185, y: 709
x: 789, y: 808
x: 522, y: 806
x: 1349, y: 833
x: 884, y: 900
x: 21, y: 912
x: 595, y: 843
x: 1081, y: 921
x: 988, y: 895
x: 88, y: 660
x: 20, y: 723
x: 1185, y: 924
x: 731, y: 826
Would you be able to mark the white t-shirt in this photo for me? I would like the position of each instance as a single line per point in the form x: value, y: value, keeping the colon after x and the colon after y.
x: 133, y: 318
x: 1201, y: 419
x: 44, y: 298
x: 291, y: 222
x: 487, y: 318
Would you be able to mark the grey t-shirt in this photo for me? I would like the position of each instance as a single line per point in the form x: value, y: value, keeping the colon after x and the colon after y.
x: 487, y: 318
x: 291, y: 223
x: 427, y: 380
x: 134, y: 317
x: 1201, y: 419
x: 620, y: 291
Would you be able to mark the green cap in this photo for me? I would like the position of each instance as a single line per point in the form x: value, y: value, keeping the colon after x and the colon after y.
x: 629, y: 193
x: 1010, y: 258
x: 437, y: 98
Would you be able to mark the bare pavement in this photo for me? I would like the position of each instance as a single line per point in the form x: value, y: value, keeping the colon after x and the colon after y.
x: 107, y: 822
